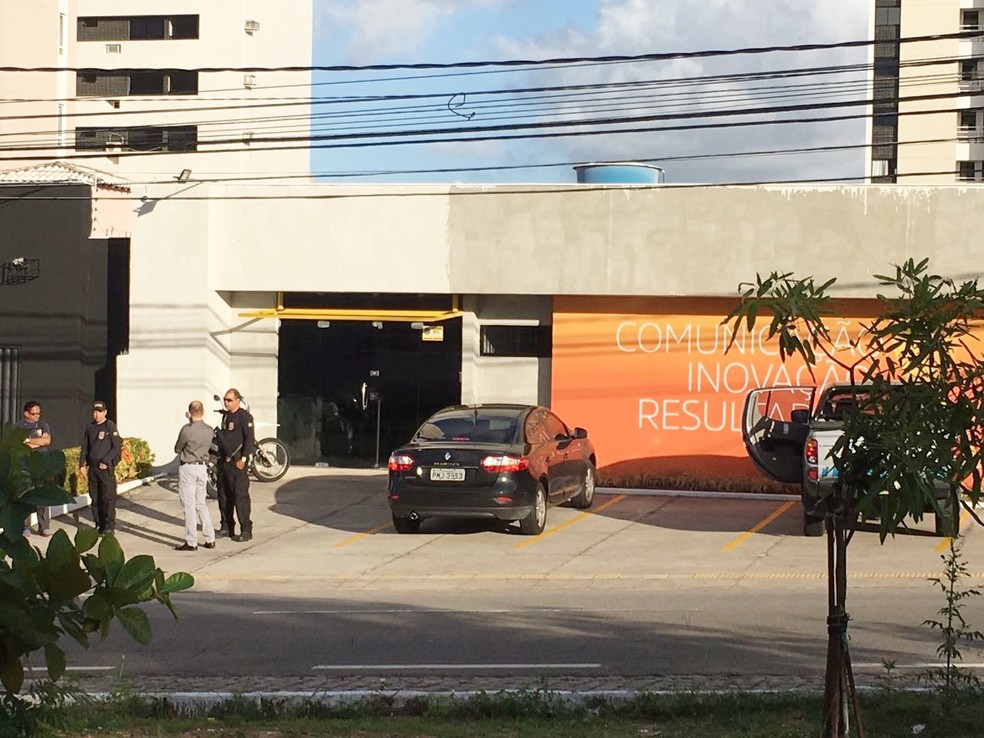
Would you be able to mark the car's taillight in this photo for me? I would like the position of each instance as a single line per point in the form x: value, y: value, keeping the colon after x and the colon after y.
x: 400, y: 463
x: 505, y: 463
x: 810, y: 453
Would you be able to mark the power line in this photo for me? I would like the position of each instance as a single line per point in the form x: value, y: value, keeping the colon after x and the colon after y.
x: 480, y: 133
x: 611, y: 59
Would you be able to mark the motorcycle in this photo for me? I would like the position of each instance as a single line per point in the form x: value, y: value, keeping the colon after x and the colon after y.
x: 268, y: 463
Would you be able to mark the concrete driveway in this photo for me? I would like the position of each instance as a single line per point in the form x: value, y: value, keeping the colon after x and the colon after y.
x: 331, y: 528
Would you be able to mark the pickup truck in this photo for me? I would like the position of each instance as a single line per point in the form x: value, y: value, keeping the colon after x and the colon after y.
x: 789, y: 434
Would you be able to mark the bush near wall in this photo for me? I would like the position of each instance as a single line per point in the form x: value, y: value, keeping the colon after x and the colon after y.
x: 135, y: 461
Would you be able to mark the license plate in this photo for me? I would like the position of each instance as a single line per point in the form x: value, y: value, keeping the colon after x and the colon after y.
x: 447, y: 475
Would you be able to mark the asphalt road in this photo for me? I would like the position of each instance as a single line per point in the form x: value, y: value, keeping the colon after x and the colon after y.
x: 640, y: 592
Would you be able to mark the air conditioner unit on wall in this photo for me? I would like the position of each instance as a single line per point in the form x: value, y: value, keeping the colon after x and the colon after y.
x: 249, y: 81
x: 252, y: 27
x: 114, y: 48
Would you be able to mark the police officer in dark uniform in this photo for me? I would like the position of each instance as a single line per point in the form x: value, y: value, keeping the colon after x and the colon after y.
x: 236, y: 446
x: 99, y: 454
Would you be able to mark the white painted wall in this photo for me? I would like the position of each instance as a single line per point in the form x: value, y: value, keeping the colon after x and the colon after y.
x: 29, y: 38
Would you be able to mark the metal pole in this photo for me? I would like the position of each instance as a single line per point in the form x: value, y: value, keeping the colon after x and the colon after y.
x: 378, y: 403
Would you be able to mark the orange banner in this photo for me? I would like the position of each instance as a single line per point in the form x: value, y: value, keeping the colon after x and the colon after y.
x: 651, y: 381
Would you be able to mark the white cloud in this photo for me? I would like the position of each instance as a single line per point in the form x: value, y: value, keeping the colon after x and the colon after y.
x: 631, y: 27
x: 399, y: 29
x: 390, y: 27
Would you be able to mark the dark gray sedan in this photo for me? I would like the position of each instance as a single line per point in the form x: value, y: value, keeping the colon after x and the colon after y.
x: 506, y: 462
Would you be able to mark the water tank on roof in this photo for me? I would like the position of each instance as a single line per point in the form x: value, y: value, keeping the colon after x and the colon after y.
x: 619, y: 173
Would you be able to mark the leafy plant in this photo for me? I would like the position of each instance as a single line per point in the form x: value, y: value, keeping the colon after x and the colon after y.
x: 40, y: 592
x: 136, y: 458
x: 917, y: 428
x: 953, y: 627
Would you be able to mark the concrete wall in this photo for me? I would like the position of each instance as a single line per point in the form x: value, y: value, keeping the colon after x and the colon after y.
x: 582, y: 240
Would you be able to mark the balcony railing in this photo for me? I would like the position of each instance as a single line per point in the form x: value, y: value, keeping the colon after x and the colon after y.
x: 970, y: 134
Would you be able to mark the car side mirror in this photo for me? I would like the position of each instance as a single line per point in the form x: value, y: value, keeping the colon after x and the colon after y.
x: 580, y: 433
x: 800, y: 417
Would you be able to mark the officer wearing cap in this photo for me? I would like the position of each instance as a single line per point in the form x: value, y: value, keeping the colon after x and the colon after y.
x: 98, y: 457
x: 236, y: 446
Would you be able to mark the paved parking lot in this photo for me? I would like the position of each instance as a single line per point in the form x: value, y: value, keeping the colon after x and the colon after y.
x: 333, y: 526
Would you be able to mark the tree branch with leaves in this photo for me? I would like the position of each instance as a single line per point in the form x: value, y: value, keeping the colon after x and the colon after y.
x: 917, y: 429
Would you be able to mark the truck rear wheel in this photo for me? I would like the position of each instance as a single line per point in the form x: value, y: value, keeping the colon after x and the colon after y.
x: 948, y: 519
x: 812, y: 525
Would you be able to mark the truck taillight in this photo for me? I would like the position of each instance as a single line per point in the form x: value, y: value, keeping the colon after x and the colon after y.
x: 400, y: 463
x: 810, y: 453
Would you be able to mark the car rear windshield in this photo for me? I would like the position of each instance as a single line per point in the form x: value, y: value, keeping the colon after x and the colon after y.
x: 840, y: 402
x: 469, y: 429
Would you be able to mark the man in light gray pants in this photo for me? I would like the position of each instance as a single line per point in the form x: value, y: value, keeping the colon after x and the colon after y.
x: 192, y: 450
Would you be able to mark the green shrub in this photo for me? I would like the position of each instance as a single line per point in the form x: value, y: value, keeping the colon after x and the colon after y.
x: 135, y: 461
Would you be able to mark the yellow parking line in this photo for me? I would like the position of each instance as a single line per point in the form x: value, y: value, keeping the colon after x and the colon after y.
x: 944, y: 543
x: 752, y: 531
x: 360, y: 536
x: 566, y: 523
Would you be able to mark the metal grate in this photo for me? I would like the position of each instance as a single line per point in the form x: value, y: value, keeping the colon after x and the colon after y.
x: 19, y: 271
x: 9, y: 384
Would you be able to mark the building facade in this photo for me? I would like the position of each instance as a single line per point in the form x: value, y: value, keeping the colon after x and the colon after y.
x: 604, y: 302
x: 938, y: 138
x: 132, y: 101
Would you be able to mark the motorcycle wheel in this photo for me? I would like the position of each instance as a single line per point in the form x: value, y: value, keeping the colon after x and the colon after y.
x: 271, y: 460
x: 211, y: 484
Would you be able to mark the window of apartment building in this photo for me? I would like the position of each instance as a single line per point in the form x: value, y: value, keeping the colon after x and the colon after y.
x: 516, y: 340
x: 90, y: 83
x: 138, y: 138
x: 968, y: 124
x: 61, y: 124
x: 884, y: 153
x: 137, y: 27
x: 885, y: 16
x: 970, y: 20
x: 969, y: 171
x: 969, y: 69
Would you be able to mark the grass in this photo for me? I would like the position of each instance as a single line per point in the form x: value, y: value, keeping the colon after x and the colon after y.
x: 519, y: 714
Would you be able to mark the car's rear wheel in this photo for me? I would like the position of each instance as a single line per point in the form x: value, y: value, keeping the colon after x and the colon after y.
x: 406, y: 525
x: 585, y: 496
x: 534, y: 523
x: 812, y: 525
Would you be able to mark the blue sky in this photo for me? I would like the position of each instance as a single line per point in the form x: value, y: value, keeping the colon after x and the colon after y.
x: 365, y: 32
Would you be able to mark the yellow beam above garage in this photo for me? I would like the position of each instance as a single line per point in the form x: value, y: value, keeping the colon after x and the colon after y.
x: 386, y: 316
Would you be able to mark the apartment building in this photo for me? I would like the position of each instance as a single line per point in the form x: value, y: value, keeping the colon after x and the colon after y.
x: 938, y: 139
x: 133, y: 100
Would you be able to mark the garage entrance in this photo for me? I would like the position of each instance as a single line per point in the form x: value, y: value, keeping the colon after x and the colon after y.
x: 343, y: 381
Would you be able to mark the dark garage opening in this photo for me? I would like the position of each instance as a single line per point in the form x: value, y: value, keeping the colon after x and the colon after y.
x: 335, y: 375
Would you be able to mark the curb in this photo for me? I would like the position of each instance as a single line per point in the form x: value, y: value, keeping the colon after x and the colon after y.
x: 192, y: 704
x: 83, y: 501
